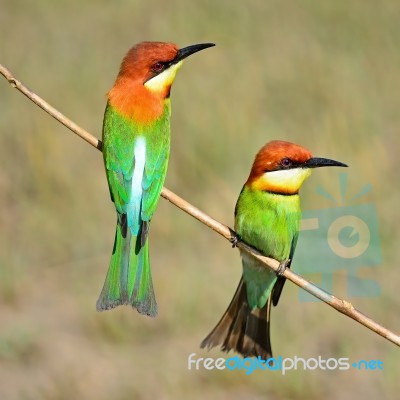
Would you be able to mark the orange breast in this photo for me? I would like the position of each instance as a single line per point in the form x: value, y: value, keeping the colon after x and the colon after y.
x: 134, y: 101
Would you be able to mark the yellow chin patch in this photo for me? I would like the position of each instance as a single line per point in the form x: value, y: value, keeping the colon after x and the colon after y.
x: 287, y: 181
x: 163, y: 81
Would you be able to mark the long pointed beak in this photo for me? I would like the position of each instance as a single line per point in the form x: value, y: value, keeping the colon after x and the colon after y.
x: 316, y: 162
x: 189, y: 50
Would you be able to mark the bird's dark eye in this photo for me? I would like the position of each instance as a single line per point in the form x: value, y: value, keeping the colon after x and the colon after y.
x: 157, y: 67
x: 286, y: 162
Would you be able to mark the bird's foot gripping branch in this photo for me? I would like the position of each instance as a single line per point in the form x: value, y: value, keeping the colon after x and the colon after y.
x: 282, y: 267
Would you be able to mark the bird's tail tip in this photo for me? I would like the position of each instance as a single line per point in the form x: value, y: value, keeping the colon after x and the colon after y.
x: 128, y: 280
x: 147, y: 307
x: 242, y: 330
x: 105, y: 305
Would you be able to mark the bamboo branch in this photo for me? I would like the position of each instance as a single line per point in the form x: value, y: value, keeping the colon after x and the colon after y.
x: 338, y: 304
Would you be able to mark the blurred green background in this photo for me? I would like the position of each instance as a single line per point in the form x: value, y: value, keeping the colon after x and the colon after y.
x: 324, y: 74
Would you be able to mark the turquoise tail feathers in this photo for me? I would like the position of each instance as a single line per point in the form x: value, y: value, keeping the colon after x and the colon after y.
x: 128, y: 278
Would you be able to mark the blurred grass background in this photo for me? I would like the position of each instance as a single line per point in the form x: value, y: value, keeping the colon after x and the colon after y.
x: 324, y: 74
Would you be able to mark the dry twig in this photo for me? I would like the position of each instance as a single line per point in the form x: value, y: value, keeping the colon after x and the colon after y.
x: 338, y: 304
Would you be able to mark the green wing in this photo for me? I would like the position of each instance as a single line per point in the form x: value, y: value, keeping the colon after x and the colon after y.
x: 128, y: 148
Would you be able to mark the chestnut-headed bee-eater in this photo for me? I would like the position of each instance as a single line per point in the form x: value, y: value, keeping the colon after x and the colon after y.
x: 136, y: 147
x: 267, y: 217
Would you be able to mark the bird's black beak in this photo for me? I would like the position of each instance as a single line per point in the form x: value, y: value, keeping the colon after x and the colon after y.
x: 189, y: 50
x: 316, y: 162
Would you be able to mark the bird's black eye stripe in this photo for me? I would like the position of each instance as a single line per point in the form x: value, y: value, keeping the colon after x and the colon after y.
x: 158, y: 67
x: 286, y: 163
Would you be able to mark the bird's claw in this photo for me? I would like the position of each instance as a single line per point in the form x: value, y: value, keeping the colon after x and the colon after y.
x: 234, y: 239
x: 282, y: 267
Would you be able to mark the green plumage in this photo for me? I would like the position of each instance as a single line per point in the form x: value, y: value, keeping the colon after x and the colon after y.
x: 270, y: 223
x: 136, y: 160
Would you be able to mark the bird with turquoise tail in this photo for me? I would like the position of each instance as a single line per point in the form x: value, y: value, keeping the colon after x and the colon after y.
x: 136, y: 147
x: 267, y: 217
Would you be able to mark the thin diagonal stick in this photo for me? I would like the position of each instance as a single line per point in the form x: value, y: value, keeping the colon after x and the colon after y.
x: 338, y: 304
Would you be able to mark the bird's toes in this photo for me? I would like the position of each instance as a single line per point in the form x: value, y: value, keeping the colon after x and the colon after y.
x: 234, y: 239
x: 282, y: 267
